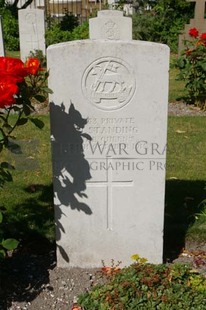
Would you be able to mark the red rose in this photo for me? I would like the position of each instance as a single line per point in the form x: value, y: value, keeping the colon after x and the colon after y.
x: 13, y: 67
x: 8, y: 89
x: 32, y: 65
x: 193, y: 32
x: 203, y: 36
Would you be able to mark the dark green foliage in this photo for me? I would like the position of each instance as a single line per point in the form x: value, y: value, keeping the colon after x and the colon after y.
x: 81, y: 32
x: 54, y: 34
x: 15, y: 6
x: 192, y: 66
x: 147, y: 286
x: 10, y: 30
x: 69, y: 22
x: 163, y: 22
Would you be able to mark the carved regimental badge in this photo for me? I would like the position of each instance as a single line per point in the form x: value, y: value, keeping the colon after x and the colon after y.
x: 110, y: 31
x: 108, y: 83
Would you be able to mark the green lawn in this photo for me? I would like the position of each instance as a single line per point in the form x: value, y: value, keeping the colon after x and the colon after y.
x: 28, y: 198
x: 186, y: 180
x: 13, y: 54
x: 176, y: 88
x: 186, y: 148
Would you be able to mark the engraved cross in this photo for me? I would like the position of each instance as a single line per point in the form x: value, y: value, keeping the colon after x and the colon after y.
x: 199, y: 9
x: 33, y: 42
x: 110, y: 184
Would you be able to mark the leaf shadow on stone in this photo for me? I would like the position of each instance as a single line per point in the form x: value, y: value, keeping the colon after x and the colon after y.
x: 70, y: 168
x: 182, y: 199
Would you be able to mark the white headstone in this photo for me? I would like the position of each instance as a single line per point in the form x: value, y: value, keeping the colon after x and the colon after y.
x: 2, y: 50
x: 112, y: 27
x: 108, y: 130
x: 31, y: 31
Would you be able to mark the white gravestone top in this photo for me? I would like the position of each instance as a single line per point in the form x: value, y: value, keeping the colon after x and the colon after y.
x: 112, y: 26
x: 108, y: 129
x: 31, y: 31
x: 2, y: 50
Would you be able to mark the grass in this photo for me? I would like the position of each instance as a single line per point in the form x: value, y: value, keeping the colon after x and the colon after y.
x: 13, y: 54
x: 28, y: 198
x: 176, y: 87
x: 186, y: 181
x: 186, y: 148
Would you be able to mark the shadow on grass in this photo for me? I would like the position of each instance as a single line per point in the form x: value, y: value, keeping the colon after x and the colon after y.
x: 181, y: 204
x: 26, y: 273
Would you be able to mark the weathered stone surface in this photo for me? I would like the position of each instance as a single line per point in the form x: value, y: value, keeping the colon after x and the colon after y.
x: 31, y: 31
x: 114, y: 27
x: 108, y: 129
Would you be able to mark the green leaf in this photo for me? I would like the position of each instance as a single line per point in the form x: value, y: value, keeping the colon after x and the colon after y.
x: 6, y: 165
x: 10, y: 244
x: 27, y: 110
x: 1, y: 135
x: 37, y: 122
x: 1, y: 217
x: 47, y: 90
x: 181, y: 63
x: 5, y: 176
x: 14, y: 148
x: 40, y: 98
x: 22, y: 121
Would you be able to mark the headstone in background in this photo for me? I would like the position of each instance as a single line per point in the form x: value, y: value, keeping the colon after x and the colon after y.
x: 2, y: 50
x: 31, y: 31
x: 108, y: 131
x: 114, y: 27
x: 198, y: 22
x: 128, y: 9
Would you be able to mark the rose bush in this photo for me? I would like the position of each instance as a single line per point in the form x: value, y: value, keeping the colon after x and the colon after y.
x: 192, y: 66
x: 20, y: 84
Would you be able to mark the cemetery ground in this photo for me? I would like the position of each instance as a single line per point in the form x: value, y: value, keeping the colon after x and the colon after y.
x: 29, y: 278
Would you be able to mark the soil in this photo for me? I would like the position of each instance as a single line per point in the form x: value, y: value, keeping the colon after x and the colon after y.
x: 30, y: 279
